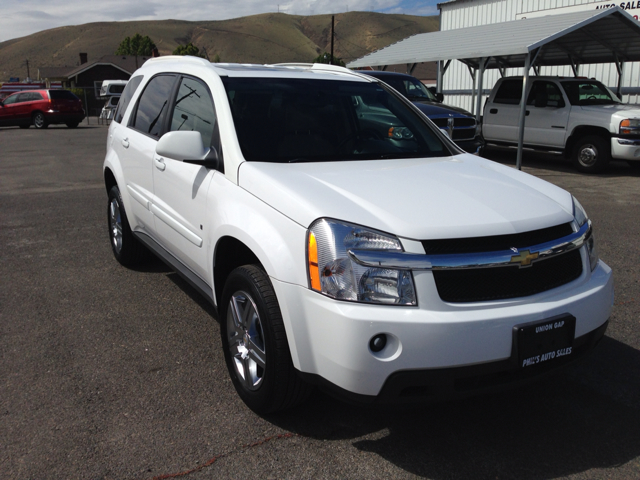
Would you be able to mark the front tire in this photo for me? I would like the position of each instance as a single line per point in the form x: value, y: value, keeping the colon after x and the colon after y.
x: 39, y: 121
x: 255, y: 343
x: 126, y: 248
x: 591, y: 154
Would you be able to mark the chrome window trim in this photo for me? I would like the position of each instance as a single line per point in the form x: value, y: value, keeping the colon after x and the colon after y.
x: 503, y: 258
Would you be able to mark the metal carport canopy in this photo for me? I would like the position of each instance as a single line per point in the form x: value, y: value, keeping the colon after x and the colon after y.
x: 608, y: 35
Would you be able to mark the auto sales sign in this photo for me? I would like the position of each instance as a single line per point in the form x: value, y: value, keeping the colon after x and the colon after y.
x: 632, y: 8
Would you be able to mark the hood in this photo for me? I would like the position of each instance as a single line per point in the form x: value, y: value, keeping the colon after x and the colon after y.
x: 447, y: 197
x: 440, y: 110
x: 632, y: 111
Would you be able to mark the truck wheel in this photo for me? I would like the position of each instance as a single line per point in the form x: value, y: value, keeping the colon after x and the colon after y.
x: 126, y: 248
x: 255, y: 343
x: 591, y: 154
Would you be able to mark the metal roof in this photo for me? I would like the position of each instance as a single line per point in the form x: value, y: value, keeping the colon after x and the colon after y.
x: 600, y: 36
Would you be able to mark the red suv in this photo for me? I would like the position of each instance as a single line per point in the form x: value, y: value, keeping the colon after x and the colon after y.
x: 41, y: 108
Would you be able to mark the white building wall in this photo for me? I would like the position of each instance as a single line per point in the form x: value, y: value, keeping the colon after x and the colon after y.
x: 457, y: 84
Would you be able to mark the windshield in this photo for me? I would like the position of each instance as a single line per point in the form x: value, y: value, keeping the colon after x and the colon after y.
x: 307, y: 120
x: 589, y: 92
x: 410, y: 87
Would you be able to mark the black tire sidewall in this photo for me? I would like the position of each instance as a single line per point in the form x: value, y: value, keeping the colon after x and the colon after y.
x: 603, y: 150
x: 266, y: 398
x: 44, y: 122
x: 129, y: 254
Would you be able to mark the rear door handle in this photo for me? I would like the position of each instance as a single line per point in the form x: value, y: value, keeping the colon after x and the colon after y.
x: 125, y: 142
x: 160, y: 165
x: 493, y: 110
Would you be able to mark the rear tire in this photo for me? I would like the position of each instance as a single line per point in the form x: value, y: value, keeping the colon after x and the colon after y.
x: 591, y: 154
x: 39, y: 121
x: 126, y: 248
x: 255, y: 343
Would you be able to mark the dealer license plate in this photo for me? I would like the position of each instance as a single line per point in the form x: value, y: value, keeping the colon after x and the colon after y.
x: 545, y: 341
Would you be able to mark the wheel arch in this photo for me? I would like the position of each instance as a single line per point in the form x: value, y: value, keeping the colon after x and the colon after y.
x: 109, y: 179
x: 229, y: 254
x: 583, y: 131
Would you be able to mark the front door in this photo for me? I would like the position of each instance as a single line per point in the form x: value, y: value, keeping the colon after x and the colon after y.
x: 180, y: 189
x: 547, y: 115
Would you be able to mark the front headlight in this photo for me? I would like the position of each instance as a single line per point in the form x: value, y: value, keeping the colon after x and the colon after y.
x: 581, y: 218
x: 630, y: 126
x: 332, y: 272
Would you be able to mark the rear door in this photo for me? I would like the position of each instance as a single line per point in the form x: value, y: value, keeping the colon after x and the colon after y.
x: 500, y: 119
x: 136, y: 146
x: 65, y: 102
x: 547, y: 115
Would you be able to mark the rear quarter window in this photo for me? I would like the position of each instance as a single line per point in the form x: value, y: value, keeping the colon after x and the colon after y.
x: 126, y: 97
x: 62, y: 95
x: 509, y: 92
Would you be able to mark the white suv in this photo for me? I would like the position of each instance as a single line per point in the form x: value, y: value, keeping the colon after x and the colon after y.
x: 577, y: 116
x: 344, y: 240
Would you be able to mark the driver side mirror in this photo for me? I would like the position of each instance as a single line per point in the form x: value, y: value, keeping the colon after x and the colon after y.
x: 187, y: 147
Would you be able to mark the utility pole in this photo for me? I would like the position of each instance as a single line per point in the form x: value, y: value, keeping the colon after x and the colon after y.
x: 28, y: 73
x: 332, y: 25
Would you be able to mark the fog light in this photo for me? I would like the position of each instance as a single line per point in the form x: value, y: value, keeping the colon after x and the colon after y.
x: 378, y: 342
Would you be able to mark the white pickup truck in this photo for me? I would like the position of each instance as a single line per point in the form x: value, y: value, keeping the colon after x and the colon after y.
x: 579, y: 117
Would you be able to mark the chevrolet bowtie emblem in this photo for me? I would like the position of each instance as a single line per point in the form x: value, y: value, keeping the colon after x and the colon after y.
x: 524, y: 258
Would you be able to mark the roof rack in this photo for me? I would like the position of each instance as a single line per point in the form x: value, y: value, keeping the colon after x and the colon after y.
x: 316, y: 66
x: 188, y: 58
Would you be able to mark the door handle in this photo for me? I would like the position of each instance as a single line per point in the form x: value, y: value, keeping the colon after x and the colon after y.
x: 125, y: 142
x: 160, y: 165
x: 493, y: 110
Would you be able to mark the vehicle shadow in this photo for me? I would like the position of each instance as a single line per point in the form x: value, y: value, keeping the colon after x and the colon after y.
x: 533, y: 161
x: 582, y: 418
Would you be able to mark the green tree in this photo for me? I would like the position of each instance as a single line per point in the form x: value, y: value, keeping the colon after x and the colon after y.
x: 188, y: 49
x: 136, y: 45
x: 326, y: 58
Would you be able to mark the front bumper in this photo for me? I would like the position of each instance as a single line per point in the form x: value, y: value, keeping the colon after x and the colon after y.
x: 471, y: 146
x: 329, y: 339
x: 625, y: 148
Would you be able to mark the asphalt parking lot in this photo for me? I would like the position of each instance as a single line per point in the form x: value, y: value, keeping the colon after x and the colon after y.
x: 109, y: 373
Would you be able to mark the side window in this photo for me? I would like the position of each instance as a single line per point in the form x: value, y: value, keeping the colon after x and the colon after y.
x: 545, y: 94
x: 152, y: 106
x: 127, y: 94
x: 194, y: 110
x: 510, y: 92
x: 23, y: 97
x: 36, y: 96
x: 11, y: 99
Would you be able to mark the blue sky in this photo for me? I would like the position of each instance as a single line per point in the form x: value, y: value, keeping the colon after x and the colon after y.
x: 29, y: 16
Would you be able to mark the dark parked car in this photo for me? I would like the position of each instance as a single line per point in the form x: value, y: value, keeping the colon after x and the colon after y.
x: 459, y: 124
x: 41, y: 108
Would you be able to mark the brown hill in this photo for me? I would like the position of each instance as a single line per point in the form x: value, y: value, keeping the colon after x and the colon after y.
x: 265, y: 38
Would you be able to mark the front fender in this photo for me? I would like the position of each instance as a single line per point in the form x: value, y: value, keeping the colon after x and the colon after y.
x: 277, y: 241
